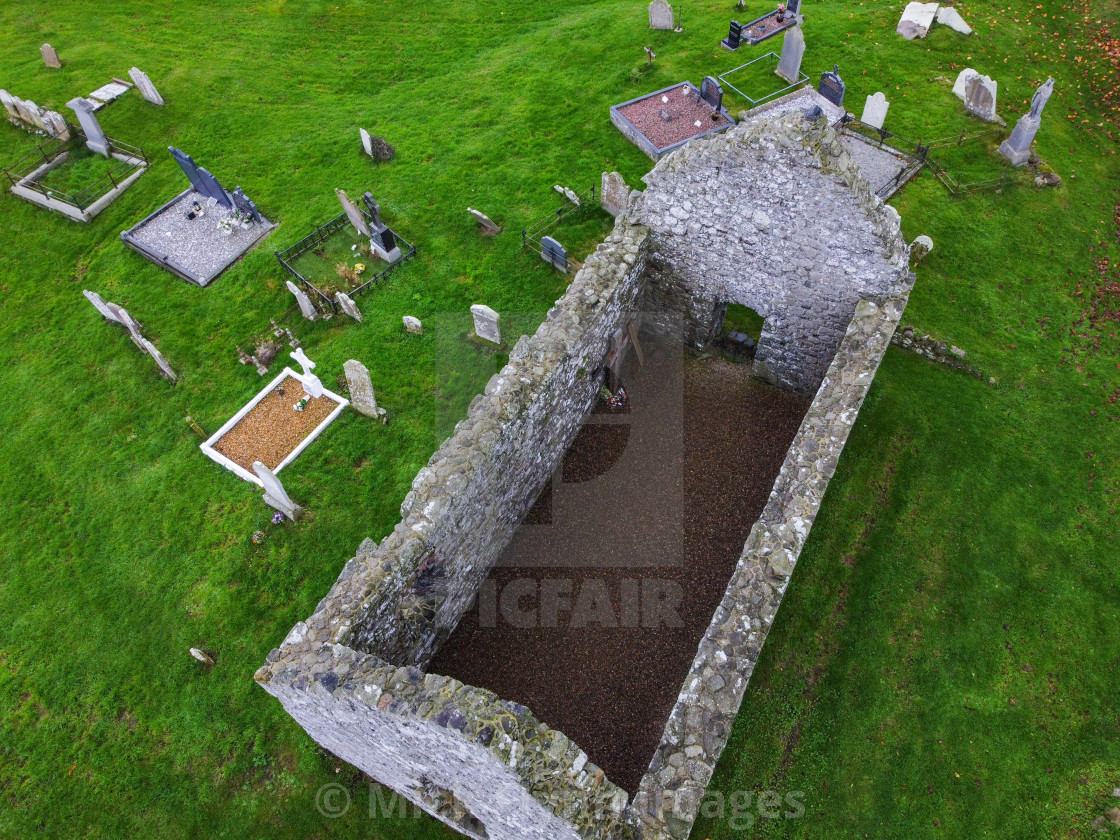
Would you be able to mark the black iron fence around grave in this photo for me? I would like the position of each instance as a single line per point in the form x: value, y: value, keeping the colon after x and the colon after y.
x: 531, y: 238
x: 46, y: 153
x: 322, y: 234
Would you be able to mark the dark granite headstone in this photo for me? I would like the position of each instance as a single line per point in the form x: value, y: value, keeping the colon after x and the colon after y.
x: 792, y: 6
x: 734, y: 35
x: 832, y: 86
x: 711, y: 92
x: 554, y: 253
x: 385, y: 237
x: 243, y: 204
x: 190, y: 169
x: 373, y: 207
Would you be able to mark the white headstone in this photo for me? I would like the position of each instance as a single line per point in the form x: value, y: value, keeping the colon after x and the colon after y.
x: 916, y: 20
x: 793, y: 48
x: 485, y: 221
x: 486, y: 323
x: 963, y: 78
x: 348, y: 306
x: 568, y: 194
x: 101, y: 306
x: 875, y: 110
x: 274, y: 494
x: 921, y: 246
x: 306, y: 308
x: 413, y: 325
x: 50, y: 56
x: 311, y: 383
x: 201, y: 656
x: 980, y: 98
x: 91, y: 128
x: 660, y: 15
x: 145, y: 86
x: 366, y: 144
x: 353, y: 213
x: 362, y: 398
x: 614, y: 195
x: 950, y: 17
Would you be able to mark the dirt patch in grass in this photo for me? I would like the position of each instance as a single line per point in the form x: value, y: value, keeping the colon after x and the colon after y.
x: 273, y: 428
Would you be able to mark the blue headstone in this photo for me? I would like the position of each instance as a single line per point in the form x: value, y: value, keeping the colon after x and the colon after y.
x: 553, y: 252
x: 203, y: 182
x: 245, y: 205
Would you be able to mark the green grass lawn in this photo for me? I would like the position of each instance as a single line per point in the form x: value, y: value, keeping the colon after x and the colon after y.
x: 965, y: 556
x: 83, y: 171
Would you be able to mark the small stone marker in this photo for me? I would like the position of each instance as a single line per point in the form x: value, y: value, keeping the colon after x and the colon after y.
x: 734, y: 36
x: 921, y: 246
x: 980, y: 96
x: 1017, y: 147
x: 202, y: 656
x: 660, y: 15
x: 91, y: 128
x: 832, y: 87
x: 346, y: 303
x: 306, y: 308
x: 145, y: 86
x: 486, y: 323
x: 311, y: 383
x: 487, y: 224
x: 366, y: 142
x: 413, y: 325
x: 614, y: 195
x: 50, y: 56
x: 793, y: 48
x: 362, y: 398
x: 875, y: 110
x: 568, y: 194
x: 353, y: 213
x: 274, y: 494
x: 916, y: 20
x: 711, y: 91
x: 950, y: 17
x: 553, y: 253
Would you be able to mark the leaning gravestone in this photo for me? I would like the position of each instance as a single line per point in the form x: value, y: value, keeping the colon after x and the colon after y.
x: 916, y: 20
x: 712, y: 92
x: 366, y: 142
x: 614, y: 195
x: 100, y: 305
x: 1017, y: 147
x: 145, y: 86
x: 832, y: 87
x: 875, y: 110
x: 362, y: 398
x: 50, y: 56
x: 948, y: 16
x: 164, y: 367
x: 91, y: 128
x: 553, y: 253
x: 485, y: 222
x: 347, y: 305
x: 353, y: 213
x: 413, y: 325
x: 980, y: 98
x: 56, y: 125
x: 205, y: 184
x: 660, y: 15
x: 486, y: 323
x: 305, y: 306
x: 274, y: 494
x: 793, y: 48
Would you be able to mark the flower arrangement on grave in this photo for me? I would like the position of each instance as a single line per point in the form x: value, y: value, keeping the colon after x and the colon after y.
x: 359, y: 268
x: 225, y: 226
x: 278, y: 518
x: 240, y: 219
x: 258, y: 537
x: 781, y: 12
x: 301, y: 405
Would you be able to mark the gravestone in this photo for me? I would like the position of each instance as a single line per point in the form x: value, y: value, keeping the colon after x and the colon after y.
x: 108, y: 92
x: 792, y: 6
x: 244, y: 205
x: 916, y: 20
x: 366, y: 143
x: 382, y: 241
x: 205, y: 184
x: 9, y: 104
x: 56, y: 125
x: 488, y: 224
x: 413, y: 325
x: 660, y: 15
x: 353, y: 213
x: 274, y: 494
x: 614, y: 195
x: 950, y: 17
x: 34, y: 114
x: 91, y: 128
x: 921, y: 246
x: 122, y: 317
x: 793, y: 48
x: 832, y: 86
x: 145, y: 86
x: 164, y: 367
x: 980, y: 98
x: 101, y: 306
x: 568, y: 194
x: 311, y: 383
x: 362, y: 398
x: 553, y: 253
x: 305, y: 305
x: 348, y: 306
x: 50, y: 56
x: 1017, y: 147
x: 712, y: 92
x: 734, y: 36
x: 486, y: 323
x: 201, y: 656
x: 875, y: 110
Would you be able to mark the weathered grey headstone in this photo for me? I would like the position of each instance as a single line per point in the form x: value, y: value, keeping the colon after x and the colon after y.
x: 274, y: 493
x: 568, y: 194
x: 553, y: 253
x: 362, y: 398
x: 614, y: 195
x: 311, y: 383
x: 122, y: 317
x: 950, y: 17
x: 485, y: 221
x: 413, y: 325
x: 100, y: 305
x: 660, y: 15
x: 244, y: 205
x: 164, y: 367
x: 306, y: 308
x: 916, y: 20
x: 831, y: 86
x: 50, y: 56
x: 366, y: 143
x: 9, y: 103
x: 980, y: 98
x: 1017, y: 147
x: 486, y: 323
x: 202, y: 656
x: 875, y: 110
x: 145, y: 86
x: 56, y: 125
x: 353, y: 213
x: 348, y: 306
x: 711, y: 91
x: 793, y: 48
x: 108, y: 92
x: 921, y: 246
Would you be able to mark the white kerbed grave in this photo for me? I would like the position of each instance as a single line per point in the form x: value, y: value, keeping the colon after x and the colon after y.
x: 287, y: 373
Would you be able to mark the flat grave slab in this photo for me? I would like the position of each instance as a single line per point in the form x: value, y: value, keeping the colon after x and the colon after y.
x: 880, y: 164
x: 643, y: 120
x: 269, y: 430
x: 108, y: 92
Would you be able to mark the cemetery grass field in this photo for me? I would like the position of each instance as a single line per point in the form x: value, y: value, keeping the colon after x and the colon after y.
x: 946, y: 660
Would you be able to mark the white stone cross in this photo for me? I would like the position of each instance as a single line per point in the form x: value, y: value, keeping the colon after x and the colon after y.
x: 311, y: 383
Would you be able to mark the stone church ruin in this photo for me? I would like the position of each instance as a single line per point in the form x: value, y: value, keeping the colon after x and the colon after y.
x: 771, y: 214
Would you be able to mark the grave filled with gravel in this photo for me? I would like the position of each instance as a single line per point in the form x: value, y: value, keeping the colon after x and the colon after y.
x: 684, y: 108
x: 879, y: 164
x: 273, y: 428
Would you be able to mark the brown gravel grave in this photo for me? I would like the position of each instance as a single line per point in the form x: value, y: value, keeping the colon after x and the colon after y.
x: 683, y: 110
x: 273, y: 429
x: 611, y: 689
